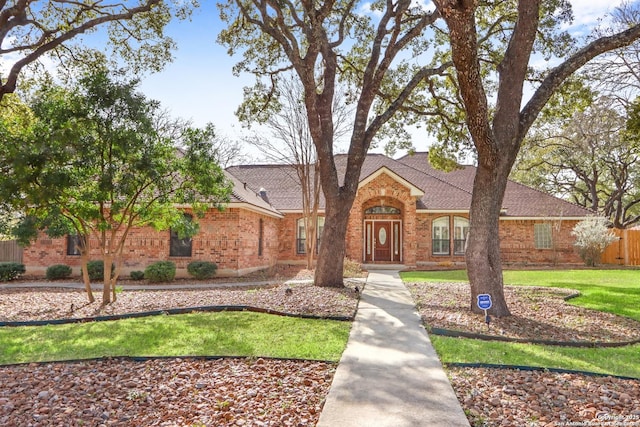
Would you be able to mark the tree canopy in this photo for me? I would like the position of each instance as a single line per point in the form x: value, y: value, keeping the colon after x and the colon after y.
x: 31, y: 29
x: 92, y: 162
x: 590, y: 158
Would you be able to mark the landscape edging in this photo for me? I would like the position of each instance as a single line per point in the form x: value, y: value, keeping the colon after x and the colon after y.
x: 142, y: 359
x: 579, y: 344
x: 535, y: 369
x: 185, y: 310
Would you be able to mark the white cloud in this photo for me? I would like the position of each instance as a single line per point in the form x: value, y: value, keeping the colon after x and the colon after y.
x: 587, y: 14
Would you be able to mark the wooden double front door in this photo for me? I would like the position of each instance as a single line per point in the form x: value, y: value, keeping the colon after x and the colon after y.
x: 383, y: 241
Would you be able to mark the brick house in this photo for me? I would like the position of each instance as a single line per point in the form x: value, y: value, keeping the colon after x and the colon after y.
x: 405, y: 212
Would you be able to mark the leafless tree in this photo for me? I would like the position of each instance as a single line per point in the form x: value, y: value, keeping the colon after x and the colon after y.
x: 290, y: 143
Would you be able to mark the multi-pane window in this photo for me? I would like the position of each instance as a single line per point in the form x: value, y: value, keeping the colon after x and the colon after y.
x: 440, y: 236
x: 180, y: 247
x: 260, y: 236
x: 542, y: 236
x: 460, y: 232
x: 74, y: 244
x: 301, y: 235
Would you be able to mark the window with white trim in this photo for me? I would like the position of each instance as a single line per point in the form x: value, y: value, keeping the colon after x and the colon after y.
x: 542, y: 236
x: 301, y: 235
x: 460, y: 232
x: 440, y: 236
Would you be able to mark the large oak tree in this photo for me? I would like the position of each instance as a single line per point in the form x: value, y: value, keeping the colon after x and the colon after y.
x: 322, y: 43
x: 491, y: 46
x: 497, y: 132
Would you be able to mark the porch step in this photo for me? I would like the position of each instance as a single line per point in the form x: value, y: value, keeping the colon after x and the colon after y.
x: 396, y: 267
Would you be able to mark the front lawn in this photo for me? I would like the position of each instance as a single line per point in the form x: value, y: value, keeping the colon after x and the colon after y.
x: 218, y: 334
x: 612, y: 291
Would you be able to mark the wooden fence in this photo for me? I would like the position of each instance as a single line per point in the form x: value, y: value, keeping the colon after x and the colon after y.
x: 10, y: 251
x: 624, y: 251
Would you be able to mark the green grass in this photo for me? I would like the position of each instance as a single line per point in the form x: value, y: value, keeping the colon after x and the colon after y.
x: 613, y: 291
x: 196, y: 334
x: 621, y: 361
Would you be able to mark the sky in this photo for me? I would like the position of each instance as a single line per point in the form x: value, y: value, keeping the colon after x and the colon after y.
x: 199, y: 84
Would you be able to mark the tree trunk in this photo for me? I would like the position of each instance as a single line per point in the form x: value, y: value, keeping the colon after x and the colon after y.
x: 106, y: 290
x: 84, y: 259
x: 330, y: 266
x: 484, y: 264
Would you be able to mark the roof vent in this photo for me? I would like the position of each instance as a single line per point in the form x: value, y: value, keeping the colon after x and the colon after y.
x: 263, y: 194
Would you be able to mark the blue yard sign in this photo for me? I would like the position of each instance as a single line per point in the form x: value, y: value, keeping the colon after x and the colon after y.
x: 484, y: 301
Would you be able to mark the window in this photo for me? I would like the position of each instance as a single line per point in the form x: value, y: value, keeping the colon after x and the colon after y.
x: 460, y: 232
x: 260, y: 235
x: 542, y: 236
x: 74, y: 244
x: 180, y: 247
x: 382, y: 210
x: 440, y: 236
x: 301, y: 235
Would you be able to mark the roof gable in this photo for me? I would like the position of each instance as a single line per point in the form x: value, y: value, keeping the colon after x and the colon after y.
x: 413, y: 190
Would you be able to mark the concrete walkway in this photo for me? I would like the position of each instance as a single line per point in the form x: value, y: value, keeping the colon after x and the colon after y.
x: 389, y: 374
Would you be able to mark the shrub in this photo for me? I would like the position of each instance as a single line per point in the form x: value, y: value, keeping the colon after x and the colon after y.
x: 161, y: 271
x: 58, y: 271
x: 592, y: 238
x: 96, y: 270
x: 351, y: 268
x: 137, y: 275
x: 202, y: 269
x: 11, y: 270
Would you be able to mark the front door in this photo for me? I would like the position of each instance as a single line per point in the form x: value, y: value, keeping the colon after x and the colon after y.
x: 382, y: 240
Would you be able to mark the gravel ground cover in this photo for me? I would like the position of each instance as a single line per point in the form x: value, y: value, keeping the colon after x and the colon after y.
x: 509, y: 397
x: 263, y: 392
x: 164, y: 392
x: 537, y: 314
x: 25, y: 304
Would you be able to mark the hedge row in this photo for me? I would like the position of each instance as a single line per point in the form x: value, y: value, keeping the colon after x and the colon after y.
x: 161, y: 271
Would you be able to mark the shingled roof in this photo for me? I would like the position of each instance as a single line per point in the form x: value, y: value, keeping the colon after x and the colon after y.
x: 443, y: 191
x: 243, y: 195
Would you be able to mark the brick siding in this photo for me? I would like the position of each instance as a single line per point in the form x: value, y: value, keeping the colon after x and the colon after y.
x: 230, y: 238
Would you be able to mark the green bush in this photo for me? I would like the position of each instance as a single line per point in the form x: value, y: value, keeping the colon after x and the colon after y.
x: 161, y: 271
x: 96, y: 270
x: 202, y: 269
x: 58, y: 271
x: 137, y: 275
x: 351, y: 268
x: 11, y: 270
